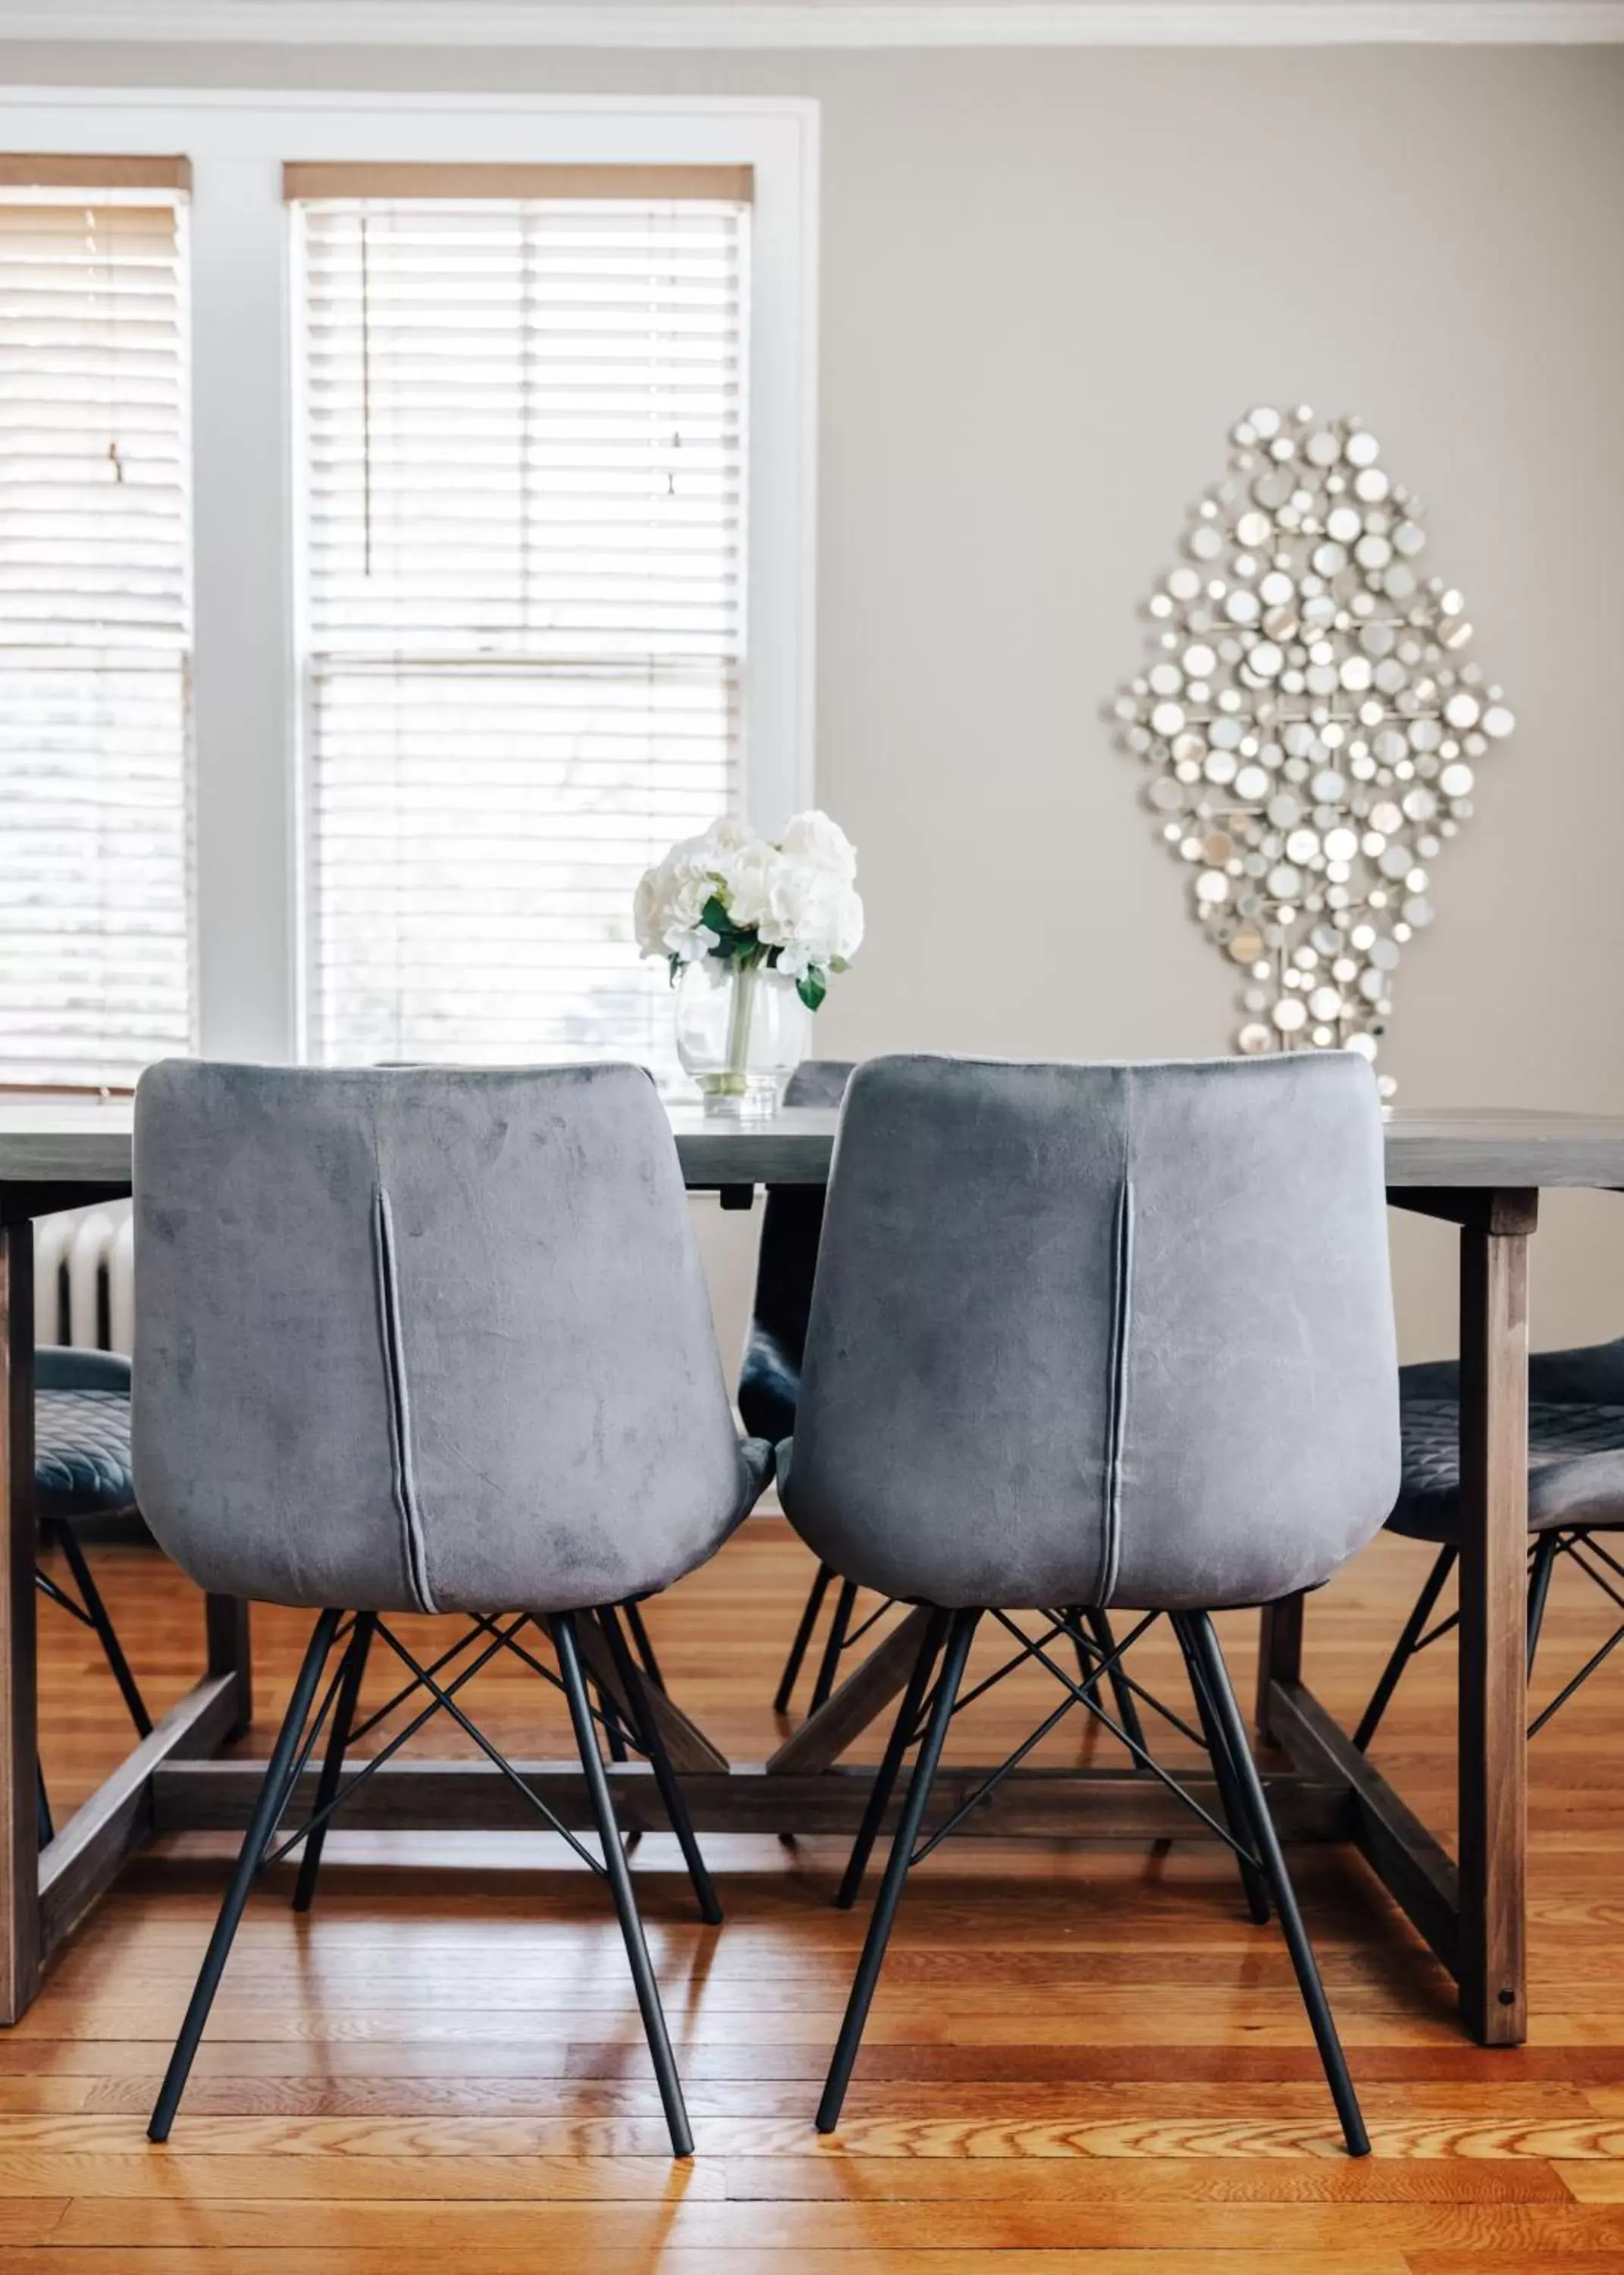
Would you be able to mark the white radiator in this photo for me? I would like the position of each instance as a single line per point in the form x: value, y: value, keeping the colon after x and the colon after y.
x: 84, y: 1280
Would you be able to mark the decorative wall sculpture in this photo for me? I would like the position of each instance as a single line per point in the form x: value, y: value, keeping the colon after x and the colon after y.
x: 1311, y: 726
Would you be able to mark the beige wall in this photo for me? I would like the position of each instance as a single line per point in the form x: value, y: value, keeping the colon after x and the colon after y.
x: 1050, y: 281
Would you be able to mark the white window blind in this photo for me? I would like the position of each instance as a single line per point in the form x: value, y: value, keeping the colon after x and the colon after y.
x: 523, y: 529
x: 95, y: 959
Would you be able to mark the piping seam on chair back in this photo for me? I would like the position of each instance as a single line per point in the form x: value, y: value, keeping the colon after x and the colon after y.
x: 404, y: 1480
x: 1116, y: 1418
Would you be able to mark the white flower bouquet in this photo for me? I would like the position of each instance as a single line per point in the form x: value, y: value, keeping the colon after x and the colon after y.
x: 789, y: 905
x: 751, y: 928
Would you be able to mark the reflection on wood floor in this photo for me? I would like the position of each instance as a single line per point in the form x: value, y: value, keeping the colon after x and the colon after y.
x: 1079, y: 2059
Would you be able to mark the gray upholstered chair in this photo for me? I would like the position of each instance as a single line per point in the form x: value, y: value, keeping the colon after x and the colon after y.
x: 427, y: 1340
x: 1576, y: 1491
x: 770, y: 1383
x: 1097, y: 1335
x: 82, y: 1478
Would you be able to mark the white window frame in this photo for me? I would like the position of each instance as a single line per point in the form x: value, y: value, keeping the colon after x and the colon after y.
x: 247, y: 675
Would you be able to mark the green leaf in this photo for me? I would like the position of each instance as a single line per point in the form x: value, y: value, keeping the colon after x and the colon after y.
x: 812, y: 988
x: 734, y: 944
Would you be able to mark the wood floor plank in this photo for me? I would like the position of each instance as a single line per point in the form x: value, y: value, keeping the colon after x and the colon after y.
x: 402, y: 2180
x: 1149, y: 2120
x: 402, y: 2259
x: 1595, y: 2183
x: 572, y: 2232
x: 31, y: 2219
x: 1513, y: 2263
x: 1311, y: 2170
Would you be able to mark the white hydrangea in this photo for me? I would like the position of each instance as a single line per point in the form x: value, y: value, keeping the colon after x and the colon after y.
x: 816, y: 842
x: 795, y: 898
x: 671, y: 896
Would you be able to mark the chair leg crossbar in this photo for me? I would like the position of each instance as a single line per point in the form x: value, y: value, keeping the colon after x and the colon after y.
x: 1581, y: 1548
x: 924, y: 1716
x: 331, y: 1706
x: 1099, y: 1643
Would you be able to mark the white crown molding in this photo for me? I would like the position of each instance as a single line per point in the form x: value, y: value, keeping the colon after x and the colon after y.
x: 719, y: 24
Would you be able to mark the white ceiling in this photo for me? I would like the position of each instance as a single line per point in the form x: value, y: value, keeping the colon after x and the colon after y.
x: 821, y: 23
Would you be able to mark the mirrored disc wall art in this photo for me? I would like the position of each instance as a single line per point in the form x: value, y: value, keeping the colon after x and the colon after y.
x: 1311, y: 725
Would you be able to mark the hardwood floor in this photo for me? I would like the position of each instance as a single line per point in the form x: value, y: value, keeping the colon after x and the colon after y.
x: 1079, y: 2059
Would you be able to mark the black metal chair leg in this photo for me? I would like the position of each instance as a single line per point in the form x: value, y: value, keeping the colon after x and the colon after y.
x: 1210, y: 1658
x: 834, y: 1644
x: 106, y: 1634
x: 332, y: 1766
x: 885, y: 1776
x: 562, y: 1628
x: 642, y: 1645
x: 646, y: 1730
x: 960, y: 1634
x: 266, y: 1811
x: 1235, y: 1814
x: 787, y: 1681
x: 1403, y: 1650
x: 1098, y: 1624
x: 41, y: 1806
x: 1539, y: 1588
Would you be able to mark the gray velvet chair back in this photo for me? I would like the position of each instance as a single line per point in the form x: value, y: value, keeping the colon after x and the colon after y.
x: 429, y: 1339
x: 1099, y: 1334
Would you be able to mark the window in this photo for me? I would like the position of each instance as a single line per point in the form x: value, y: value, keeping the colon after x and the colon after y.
x: 96, y: 961
x: 425, y: 606
x: 522, y: 455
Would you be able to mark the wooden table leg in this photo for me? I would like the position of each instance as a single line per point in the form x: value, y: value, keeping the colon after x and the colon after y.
x: 1494, y: 1712
x: 864, y: 1695
x: 1280, y: 1654
x: 21, y: 1956
x: 230, y: 1651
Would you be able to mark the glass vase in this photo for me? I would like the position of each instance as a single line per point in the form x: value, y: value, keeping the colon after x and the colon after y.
x: 741, y: 1033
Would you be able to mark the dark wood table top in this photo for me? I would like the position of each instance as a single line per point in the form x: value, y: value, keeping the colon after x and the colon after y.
x: 75, y: 1141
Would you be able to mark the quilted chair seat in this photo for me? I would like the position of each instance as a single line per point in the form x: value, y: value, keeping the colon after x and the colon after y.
x: 83, y: 1475
x: 81, y: 1454
x: 1575, y: 1468
x: 81, y: 1435
x: 1576, y: 1488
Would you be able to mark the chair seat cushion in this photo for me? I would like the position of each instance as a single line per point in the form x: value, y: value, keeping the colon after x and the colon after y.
x: 1575, y: 1467
x: 769, y: 1384
x: 759, y: 1453
x: 81, y: 1452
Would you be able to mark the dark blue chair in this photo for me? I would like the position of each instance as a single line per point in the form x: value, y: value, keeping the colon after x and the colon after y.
x: 82, y: 1478
x: 1576, y: 1491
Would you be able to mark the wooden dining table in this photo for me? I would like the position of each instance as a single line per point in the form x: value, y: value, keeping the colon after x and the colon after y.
x: 1481, y: 1170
